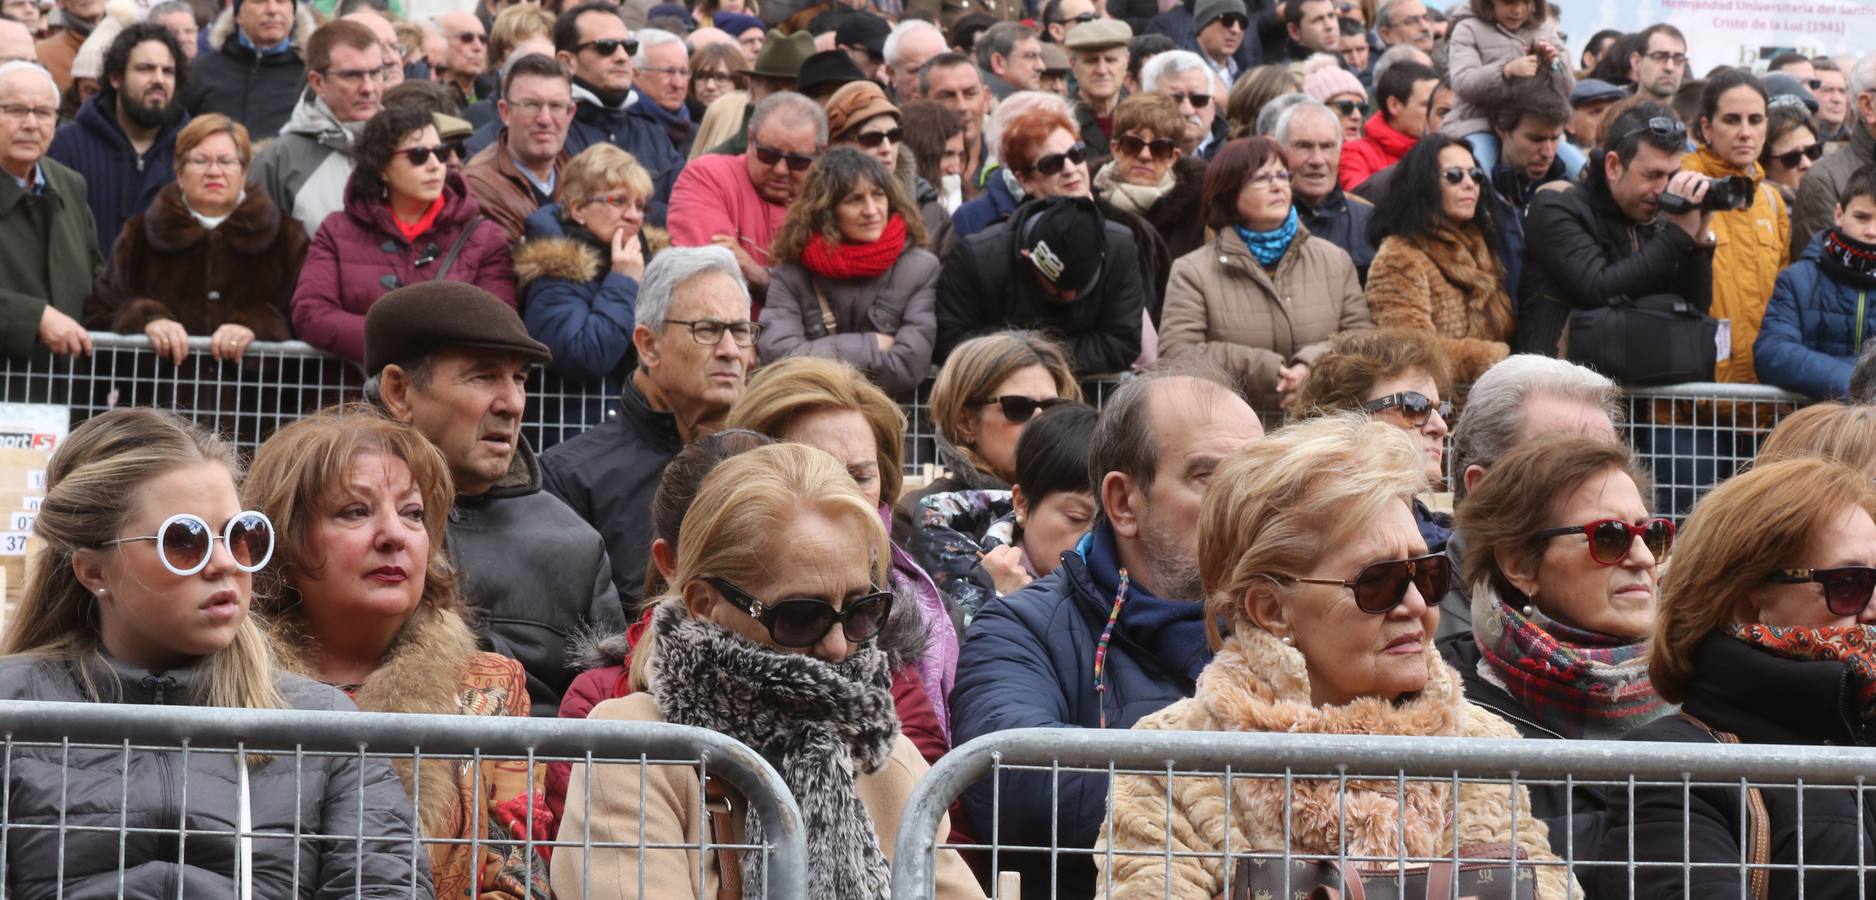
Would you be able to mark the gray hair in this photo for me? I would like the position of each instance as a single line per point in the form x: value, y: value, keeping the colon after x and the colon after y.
x: 1383, y: 14
x: 27, y: 65
x: 1492, y: 424
x: 891, y: 50
x: 1398, y: 53
x: 1308, y: 105
x: 791, y: 107
x: 1015, y: 105
x: 1172, y: 62
x: 999, y: 40
x: 652, y: 37
x: 1274, y: 110
x: 1862, y: 78
x: 675, y: 267
x: 169, y: 7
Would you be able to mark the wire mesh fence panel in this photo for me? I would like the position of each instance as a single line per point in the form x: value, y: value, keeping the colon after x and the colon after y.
x: 104, y: 799
x: 1691, y: 437
x: 1254, y: 816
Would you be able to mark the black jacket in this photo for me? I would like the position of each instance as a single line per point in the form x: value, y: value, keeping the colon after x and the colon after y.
x: 1341, y: 219
x: 982, y: 290
x: 1764, y: 699
x: 259, y: 91
x: 608, y: 474
x: 119, y: 181
x: 1581, y: 251
x: 534, y: 575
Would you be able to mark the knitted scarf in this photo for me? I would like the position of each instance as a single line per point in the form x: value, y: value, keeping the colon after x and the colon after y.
x: 1268, y: 246
x: 1845, y: 258
x: 1580, y: 684
x: 822, y: 724
x: 844, y: 261
x: 1854, y: 646
x: 1134, y: 198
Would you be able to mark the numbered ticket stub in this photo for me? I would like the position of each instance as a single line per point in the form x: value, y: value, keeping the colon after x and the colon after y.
x: 13, y: 543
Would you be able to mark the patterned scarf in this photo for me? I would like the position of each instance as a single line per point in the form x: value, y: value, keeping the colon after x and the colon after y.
x: 1854, y: 646
x: 1268, y: 246
x: 1134, y: 198
x: 1848, y: 259
x: 1580, y: 684
x: 844, y: 261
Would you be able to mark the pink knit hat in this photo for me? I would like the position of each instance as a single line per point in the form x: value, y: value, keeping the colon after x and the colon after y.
x: 1330, y: 81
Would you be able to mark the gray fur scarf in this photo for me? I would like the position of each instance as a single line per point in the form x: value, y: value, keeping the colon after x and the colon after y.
x: 821, y: 725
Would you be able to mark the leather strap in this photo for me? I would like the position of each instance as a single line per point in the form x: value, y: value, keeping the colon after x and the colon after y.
x: 827, y: 311
x: 721, y: 805
x: 455, y: 249
x: 1758, y: 821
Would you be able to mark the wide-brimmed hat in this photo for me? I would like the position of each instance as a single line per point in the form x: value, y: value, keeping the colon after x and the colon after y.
x: 781, y: 55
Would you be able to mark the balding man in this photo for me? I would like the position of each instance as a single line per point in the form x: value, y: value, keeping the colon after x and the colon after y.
x: 16, y: 43
x: 387, y: 36
x: 467, y: 56
x: 909, y: 47
x: 48, y: 239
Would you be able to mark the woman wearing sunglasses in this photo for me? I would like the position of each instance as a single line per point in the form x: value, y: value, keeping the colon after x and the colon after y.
x: 1339, y: 90
x: 1792, y: 147
x: 766, y: 636
x: 140, y: 594
x: 406, y: 219
x: 852, y: 280
x: 1437, y: 263
x: 1763, y: 637
x: 1321, y: 605
x: 1149, y: 175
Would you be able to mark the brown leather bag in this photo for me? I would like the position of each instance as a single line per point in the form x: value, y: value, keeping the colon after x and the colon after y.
x: 720, y: 801
x: 1327, y: 879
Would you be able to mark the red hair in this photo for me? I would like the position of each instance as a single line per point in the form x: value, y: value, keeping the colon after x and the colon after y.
x: 1023, y: 137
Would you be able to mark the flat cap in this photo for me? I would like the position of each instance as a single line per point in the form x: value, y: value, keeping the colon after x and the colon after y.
x: 1098, y: 34
x: 1595, y: 90
x: 416, y: 320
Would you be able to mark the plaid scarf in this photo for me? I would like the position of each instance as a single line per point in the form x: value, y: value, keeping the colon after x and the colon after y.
x: 1580, y: 684
x: 1854, y: 646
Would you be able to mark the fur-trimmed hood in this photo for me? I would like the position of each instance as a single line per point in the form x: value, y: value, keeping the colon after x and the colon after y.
x: 556, y: 249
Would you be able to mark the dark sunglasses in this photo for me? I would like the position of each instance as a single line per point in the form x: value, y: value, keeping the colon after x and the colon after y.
x: 1198, y: 101
x: 871, y: 139
x: 1131, y: 145
x: 609, y: 46
x: 1018, y: 408
x: 1382, y: 586
x: 1610, y: 539
x: 802, y: 621
x: 1413, y: 405
x: 1084, y: 17
x: 769, y: 156
x: 184, y: 542
x: 1847, y: 589
x: 1659, y: 126
x: 1230, y: 19
x: 420, y: 156
x: 1789, y: 159
x: 1350, y: 107
x: 459, y: 150
x: 1054, y: 163
x: 1457, y: 174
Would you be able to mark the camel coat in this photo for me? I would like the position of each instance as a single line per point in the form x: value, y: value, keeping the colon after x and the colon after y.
x: 1447, y: 284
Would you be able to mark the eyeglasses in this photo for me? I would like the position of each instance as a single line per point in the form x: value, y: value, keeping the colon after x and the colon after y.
x: 1350, y: 107
x: 1666, y: 56
x: 206, y: 163
x: 349, y: 77
x: 1131, y: 145
x: 769, y: 156
x: 1789, y: 159
x: 1457, y: 174
x: 1413, y: 405
x: 420, y: 156
x: 532, y: 109
x: 667, y: 71
x: 1847, y: 589
x: 466, y: 38
x: 1198, y: 101
x: 608, y: 46
x: 1382, y: 586
x: 184, y: 542
x: 1054, y: 163
x: 1230, y: 19
x: 802, y: 621
x: 1610, y: 539
x: 19, y: 112
x: 1659, y: 126
x: 871, y: 139
x: 709, y: 331
x: 1270, y: 180
x: 1018, y: 408
x: 620, y: 201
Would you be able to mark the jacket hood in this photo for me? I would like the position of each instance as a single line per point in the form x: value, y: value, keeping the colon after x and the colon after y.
x: 97, y: 120
x: 221, y: 32
x: 458, y: 208
x: 314, y: 119
x: 251, y: 228
x: 584, y: 96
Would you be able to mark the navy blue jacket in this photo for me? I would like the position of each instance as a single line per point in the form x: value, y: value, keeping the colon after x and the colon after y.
x: 119, y: 181
x: 576, y: 305
x: 1028, y: 662
x: 1177, y: 24
x: 1341, y: 219
x: 993, y: 205
x: 630, y: 130
x: 1811, y: 334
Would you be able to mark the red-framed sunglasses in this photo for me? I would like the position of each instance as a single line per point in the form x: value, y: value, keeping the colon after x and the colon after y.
x: 1610, y: 539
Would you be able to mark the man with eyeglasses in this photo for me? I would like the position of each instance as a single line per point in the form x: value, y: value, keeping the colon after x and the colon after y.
x: 387, y: 41
x: 1660, y: 63
x: 1400, y: 22
x: 1010, y: 57
x: 1218, y: 35
x: 592, y: 42
x: 1099, y: 58
x: 1193, y: 84
x: 258, y: 74
x: 1816, y: 207
x: 306, y: 168
x: 1310, y: 134
x: 467, y: 56
x: 695, y: 339
x: 663, y: 83
x: 520, y: 172
x: 1060, y: 17
x: 49, y: 255
x: 1831, y: 87
x: 123, y: 141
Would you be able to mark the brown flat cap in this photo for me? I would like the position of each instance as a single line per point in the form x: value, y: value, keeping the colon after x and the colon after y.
x: 416, y: 320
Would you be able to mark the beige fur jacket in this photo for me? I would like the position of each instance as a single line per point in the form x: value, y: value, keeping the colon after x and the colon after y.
x: 1255, y: 683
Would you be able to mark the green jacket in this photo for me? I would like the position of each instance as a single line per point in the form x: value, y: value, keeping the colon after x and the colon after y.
x: 48, y: 254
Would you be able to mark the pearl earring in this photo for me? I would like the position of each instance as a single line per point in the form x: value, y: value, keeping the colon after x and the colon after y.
x: 1288, y: 641
x: 1528, y: 611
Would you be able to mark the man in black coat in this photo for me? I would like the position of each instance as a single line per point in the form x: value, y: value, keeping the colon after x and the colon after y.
x: 258, y: 70
x: 1054, y: 265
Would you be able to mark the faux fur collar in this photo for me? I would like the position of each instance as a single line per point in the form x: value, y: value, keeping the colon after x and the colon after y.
x: 562, y: 258
x: 250, y: 229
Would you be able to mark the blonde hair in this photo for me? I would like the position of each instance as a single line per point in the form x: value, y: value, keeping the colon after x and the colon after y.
x: 1846, y: 434
x: 515, y: 24
x: 598, y: 168
x: 978, y: 365
x: 1739, y: 533
x: 787, y: 388
x: 1278, y: 504
x: 749, y: 502
x: 91, y: 491
x: 299, y: 475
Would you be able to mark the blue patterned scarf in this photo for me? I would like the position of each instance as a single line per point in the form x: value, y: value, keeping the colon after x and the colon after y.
x: 1268, y: 246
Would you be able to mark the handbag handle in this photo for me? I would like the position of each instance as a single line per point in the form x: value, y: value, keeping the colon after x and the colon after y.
x: 1758, y: 827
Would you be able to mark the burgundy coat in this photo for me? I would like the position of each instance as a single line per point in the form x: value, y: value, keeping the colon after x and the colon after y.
x: 360, y: 255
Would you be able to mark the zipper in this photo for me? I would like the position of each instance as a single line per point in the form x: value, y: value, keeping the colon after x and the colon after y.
x: 1860, y: 295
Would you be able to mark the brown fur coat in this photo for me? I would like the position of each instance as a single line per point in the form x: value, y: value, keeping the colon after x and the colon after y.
x: 1256, y: 683
x: 1449, y: 285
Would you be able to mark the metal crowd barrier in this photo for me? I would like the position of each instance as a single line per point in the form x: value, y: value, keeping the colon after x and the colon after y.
x: 1046, y: 756
x: 87, y: 739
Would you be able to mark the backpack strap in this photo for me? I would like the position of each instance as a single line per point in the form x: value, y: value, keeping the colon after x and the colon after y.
x: 1758, y: 828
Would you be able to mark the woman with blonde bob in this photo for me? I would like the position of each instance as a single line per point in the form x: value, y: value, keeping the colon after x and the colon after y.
x: 1321, y: 602
x: 1845, y: 433
x: 1764, y: 636
x: 766, y: 637
x: 140, y: 594
x: 363, y: 598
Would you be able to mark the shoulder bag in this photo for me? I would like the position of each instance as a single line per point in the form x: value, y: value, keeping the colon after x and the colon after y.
x: 1656, y: 339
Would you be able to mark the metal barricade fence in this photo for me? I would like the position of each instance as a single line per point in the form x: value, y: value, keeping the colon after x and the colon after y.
x: 1171, y: 765
x: 52, y: 748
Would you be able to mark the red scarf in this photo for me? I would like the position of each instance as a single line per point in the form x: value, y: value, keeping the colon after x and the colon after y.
x: 411, y: 230
x: 844, y: 260
x: 1854, y: 646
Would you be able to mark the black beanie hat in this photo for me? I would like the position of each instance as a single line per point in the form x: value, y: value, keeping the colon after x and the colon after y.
x: 1065, y: 239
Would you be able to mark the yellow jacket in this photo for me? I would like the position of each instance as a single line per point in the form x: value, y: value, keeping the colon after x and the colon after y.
x: 1754, y: 244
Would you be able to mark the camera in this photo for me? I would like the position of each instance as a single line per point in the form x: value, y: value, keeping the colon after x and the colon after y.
x: 1723, y: 194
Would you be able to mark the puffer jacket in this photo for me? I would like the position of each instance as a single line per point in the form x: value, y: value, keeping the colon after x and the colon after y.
x: 1341, y: 218
x: 1814, y: 328
x: 900, y: 303
x: 1478, y: 53
x: 119, y: 181
x: 1224, y: 304
x: 1257, y: 684
x: 1823, y: 186
x: 256, y: 89
x: 361, y: 255
x: 1378, y: 147
x: 306, y: 168
x: 317, y: 795
x: 576, y: 305
x: 1754, y: 244
x: 1448, y: 285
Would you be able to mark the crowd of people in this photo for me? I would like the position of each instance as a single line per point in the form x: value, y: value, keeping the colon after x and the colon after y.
x: 1353, y: 257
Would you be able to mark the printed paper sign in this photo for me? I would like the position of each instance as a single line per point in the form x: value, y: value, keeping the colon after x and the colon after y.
x: 33, y: 426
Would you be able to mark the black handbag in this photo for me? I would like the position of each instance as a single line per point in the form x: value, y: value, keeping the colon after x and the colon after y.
x: 1657, y: 339
x: 1325, y: 879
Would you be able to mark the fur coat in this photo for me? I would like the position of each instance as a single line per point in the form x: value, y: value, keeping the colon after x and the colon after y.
x: 1448, y: 284
x: 1256, y: 683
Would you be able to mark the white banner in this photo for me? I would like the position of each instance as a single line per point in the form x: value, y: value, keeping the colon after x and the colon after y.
x: 1733, y: 32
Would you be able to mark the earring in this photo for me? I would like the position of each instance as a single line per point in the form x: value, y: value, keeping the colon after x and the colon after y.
x: 1528, y: 611
x: 1288, y: 641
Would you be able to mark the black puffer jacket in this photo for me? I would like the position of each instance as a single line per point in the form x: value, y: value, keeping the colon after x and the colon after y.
x: 323, y: 794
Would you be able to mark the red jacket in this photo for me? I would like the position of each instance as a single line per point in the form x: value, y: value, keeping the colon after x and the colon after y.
x: 347, y: 266
x: 1378, y: 147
